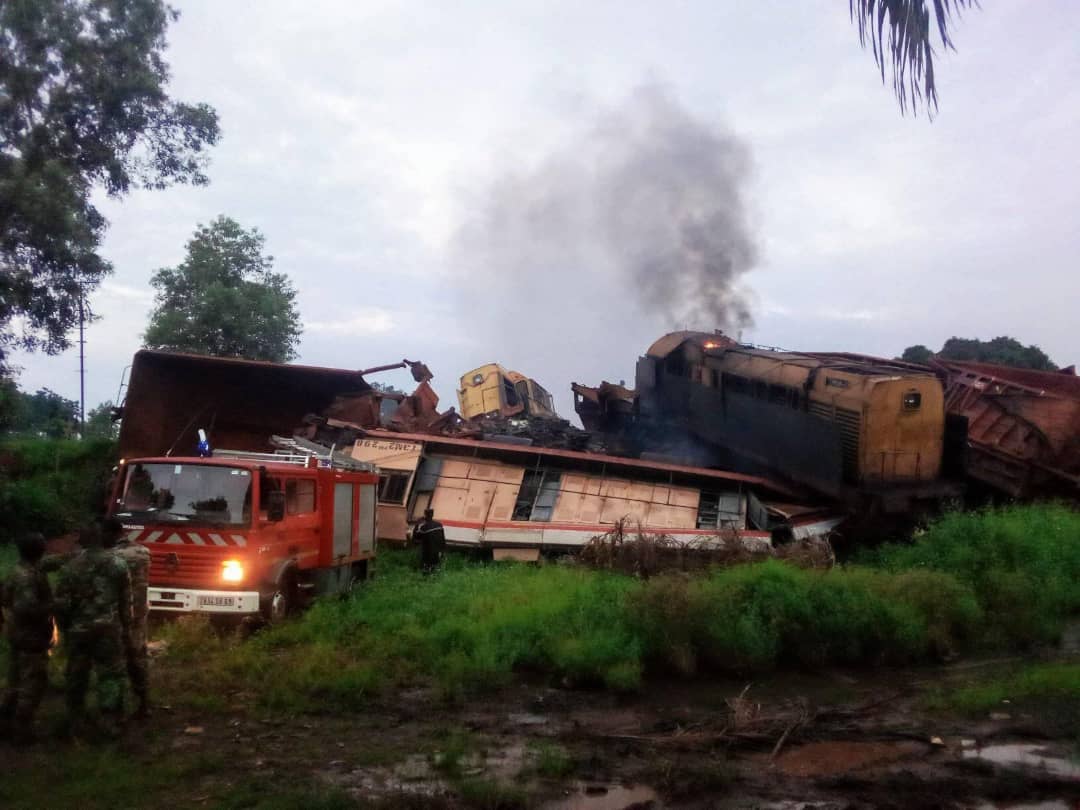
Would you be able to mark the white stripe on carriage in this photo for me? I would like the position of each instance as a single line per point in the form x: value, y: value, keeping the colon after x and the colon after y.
x: 153, y: 536
x: 218, y: 540
x: 174, y: 540
x: 196, y: 539
x: 238, y: 539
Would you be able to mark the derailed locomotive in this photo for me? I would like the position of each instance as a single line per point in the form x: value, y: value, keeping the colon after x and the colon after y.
x: 871, y: 433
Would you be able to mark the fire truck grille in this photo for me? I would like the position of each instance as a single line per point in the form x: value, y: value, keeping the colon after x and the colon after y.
x: 186, y: 568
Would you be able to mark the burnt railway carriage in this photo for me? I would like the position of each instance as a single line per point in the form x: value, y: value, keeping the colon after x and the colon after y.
x: 870, y: 432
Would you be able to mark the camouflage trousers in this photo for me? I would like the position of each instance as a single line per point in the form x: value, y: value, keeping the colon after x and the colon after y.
x: 138, y: 662
x: 28, y: 677
x: 99, y: 649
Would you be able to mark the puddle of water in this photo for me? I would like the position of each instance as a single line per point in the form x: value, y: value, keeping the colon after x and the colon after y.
x: 1018, y: 755
x: 606, y: 797
x: 833, y: 758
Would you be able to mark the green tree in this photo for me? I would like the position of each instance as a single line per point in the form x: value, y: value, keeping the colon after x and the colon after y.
x: 224, y: 299
x: 917, y: 354
x: 100, y: 424
x: 906, y: 45
x: 83, y: 109
x: 11, y: 404
x: 46, y: 413
x: 1002, y: 351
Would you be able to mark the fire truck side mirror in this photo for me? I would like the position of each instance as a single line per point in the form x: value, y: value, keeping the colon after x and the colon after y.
x: 275, y: 506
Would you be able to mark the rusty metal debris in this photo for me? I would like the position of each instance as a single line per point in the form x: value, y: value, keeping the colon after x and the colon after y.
x: 1023, y: 426
x: 632, y: 549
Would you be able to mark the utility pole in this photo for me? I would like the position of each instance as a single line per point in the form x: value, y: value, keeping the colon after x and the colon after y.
x: 82, y: 365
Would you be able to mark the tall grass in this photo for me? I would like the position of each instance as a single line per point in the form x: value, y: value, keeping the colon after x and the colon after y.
x: 767, y: 615
x: 474, y: 627
x: 999, y: 578
x: 1022, y: 562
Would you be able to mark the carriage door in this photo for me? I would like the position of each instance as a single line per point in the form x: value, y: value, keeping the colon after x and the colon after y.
x: 343, y: 519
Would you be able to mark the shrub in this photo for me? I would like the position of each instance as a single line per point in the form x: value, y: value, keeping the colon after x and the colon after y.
x: 1023, y: 563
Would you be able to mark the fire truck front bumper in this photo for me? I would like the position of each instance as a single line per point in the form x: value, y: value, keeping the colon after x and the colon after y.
x: 186, y: 600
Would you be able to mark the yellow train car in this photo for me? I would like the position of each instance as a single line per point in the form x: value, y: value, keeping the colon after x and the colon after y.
x: 891, y: 421
x: 847, y: 425
x: 494, y: 390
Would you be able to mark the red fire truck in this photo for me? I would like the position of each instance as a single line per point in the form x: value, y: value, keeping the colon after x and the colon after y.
x: 243, y: 533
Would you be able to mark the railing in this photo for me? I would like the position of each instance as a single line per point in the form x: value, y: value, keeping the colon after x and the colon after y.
x: 301, y: 453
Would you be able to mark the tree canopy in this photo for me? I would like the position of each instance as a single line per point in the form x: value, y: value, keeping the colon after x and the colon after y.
x: 1003, y: 351
x: 224, y: 299
x: 83, y: 109
x: 907, y: 45
x: 44, y: 413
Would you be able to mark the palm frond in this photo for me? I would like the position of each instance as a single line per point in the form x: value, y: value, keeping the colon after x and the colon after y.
x: 906, y: 44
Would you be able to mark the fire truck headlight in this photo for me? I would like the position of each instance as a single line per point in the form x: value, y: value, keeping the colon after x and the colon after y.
x: 232, y: 571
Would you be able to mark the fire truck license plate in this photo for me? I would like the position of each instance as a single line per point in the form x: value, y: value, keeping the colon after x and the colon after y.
x: 217, y: 601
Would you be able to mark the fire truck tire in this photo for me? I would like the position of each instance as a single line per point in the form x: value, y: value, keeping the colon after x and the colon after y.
x: 281, y: 602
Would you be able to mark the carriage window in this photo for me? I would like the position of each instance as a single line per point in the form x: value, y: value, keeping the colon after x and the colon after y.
x: 836, y: 382
x: 912, y: 400
x: 299, y: 496
x: 509, y: 394
x: 392, y: 487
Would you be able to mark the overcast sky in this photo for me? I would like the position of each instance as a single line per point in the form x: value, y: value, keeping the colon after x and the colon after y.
x: 362, y: 138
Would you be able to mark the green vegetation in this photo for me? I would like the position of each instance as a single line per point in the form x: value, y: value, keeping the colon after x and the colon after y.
x: 999, y: 579
x: 1003, y: 351
x: 1023, y: 563
x: 225, y: 280
x: 1054, y: 683
x: 86, y: 113
x: 51, y: 485
x: 95, y: 777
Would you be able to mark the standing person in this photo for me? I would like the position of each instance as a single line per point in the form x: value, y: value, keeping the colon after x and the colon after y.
x: 93, y: 607
x: 27, y: 600
x: 432, y: 539
x: 136, y: 557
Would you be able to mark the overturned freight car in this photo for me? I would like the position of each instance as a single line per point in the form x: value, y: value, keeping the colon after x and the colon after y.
x: 869, y: 432
x: 1023, y: 426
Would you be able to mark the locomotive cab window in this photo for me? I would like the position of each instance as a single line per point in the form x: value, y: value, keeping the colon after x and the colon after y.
x: 912, y: 401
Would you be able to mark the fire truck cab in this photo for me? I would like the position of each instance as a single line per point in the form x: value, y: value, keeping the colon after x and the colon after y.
x: 246, y: 533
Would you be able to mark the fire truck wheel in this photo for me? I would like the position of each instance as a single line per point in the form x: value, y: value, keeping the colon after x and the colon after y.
x: 282, y: 602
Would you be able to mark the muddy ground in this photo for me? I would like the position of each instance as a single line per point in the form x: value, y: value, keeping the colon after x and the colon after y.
x: 829, y: 740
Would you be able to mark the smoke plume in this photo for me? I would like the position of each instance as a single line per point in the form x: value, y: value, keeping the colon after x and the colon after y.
x: 635, y: 225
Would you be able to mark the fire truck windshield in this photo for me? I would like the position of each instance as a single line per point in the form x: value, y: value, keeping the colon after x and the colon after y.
x: 186, y: 493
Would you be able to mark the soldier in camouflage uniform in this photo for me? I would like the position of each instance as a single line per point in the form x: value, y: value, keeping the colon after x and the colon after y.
x: 27, y: 600
x: 93, y: 606
x: 137, y: 558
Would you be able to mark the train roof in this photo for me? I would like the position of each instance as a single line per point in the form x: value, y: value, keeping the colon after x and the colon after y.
x: 627, y: 466
x: 717, y: 344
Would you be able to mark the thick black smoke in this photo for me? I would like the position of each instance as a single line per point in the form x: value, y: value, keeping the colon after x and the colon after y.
x: 647, y: 194
x: 636, y: 225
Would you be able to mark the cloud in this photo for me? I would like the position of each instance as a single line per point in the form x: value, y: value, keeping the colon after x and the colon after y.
x: 364, y: 323
x: 124, y: 292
